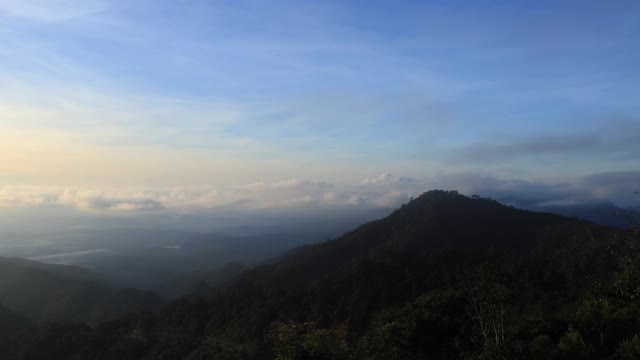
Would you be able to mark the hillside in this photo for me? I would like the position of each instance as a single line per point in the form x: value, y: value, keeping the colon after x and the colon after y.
x: 11, y: 323
x: 435, y: 222
x: 445, y: 276
x: 199, y: 282
x: 64, y: 293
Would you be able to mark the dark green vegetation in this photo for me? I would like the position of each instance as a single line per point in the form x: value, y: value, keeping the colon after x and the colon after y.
x: 11, y: 323
x: 65, y: 293
x: 199, y: 282
x: 443, y: 277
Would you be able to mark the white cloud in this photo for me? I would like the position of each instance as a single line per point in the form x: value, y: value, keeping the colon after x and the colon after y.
x: 381, y: 179
x: 384, y: 191
x: 290, y: 193
x: 388, y: 179
x: 391, y: 199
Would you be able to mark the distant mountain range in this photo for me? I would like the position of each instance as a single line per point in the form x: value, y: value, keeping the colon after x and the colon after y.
x: 148, y: 259
x: 603, y: 213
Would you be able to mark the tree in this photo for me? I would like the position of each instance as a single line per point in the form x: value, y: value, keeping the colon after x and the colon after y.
x: 302, y: 340
x: 487, y: 293
x: 572, y: 346
x: 629, y: 349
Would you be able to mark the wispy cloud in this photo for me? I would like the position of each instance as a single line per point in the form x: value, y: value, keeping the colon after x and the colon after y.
x: 613, y: 140
x: 545, y: 145
x: 51, y: 10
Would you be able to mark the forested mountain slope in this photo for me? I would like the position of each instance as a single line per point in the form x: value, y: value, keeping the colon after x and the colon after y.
x: 11, y: 323
x: 445, y: 277
x: 199, y: 282
x: 435, y: 223
x: 65, y: 293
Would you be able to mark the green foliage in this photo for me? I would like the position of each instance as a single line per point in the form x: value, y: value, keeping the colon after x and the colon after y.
x: 540, y: 347
x: 487, y: 292
x: 429, y: 327
x: 572, y: 346
x: 627, y: 281
x: 391, y: 336
x: 629, y: 349
x: 216, y: 349
x: 298, y: 341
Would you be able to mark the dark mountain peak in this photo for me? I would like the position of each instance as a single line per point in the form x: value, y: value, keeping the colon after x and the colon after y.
x: 440, y: 213
x: 438, y: 195
x: 433, y: 223
x: 435, y: 201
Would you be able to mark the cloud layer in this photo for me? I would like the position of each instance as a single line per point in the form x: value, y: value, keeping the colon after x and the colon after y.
x: 383, y: 191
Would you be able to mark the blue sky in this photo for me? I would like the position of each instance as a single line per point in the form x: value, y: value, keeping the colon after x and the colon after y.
x: 127, y: 101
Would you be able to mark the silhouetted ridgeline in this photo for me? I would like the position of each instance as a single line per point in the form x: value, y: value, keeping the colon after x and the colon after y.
x: 65, y: 293
x: 443, y: 277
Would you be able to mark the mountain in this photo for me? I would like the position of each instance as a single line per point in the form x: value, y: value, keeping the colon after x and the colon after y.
x: 603, y: 213
x: 434, y: 223
x: 444, y: 276
x: 64, y: 293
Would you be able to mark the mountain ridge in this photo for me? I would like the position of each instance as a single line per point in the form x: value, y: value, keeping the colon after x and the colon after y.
x: 433, y: 210
x: 416, y: 270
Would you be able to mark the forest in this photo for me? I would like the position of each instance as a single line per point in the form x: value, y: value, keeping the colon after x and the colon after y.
x: 445, y: 276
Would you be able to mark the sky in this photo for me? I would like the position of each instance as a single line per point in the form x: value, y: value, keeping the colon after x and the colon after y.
x: 129, y: 107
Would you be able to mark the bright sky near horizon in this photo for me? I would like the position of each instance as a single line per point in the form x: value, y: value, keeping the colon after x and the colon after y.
x: 152, y: 105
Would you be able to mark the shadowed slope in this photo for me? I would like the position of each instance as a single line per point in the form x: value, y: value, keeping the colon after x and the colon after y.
x: 66, y: 293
